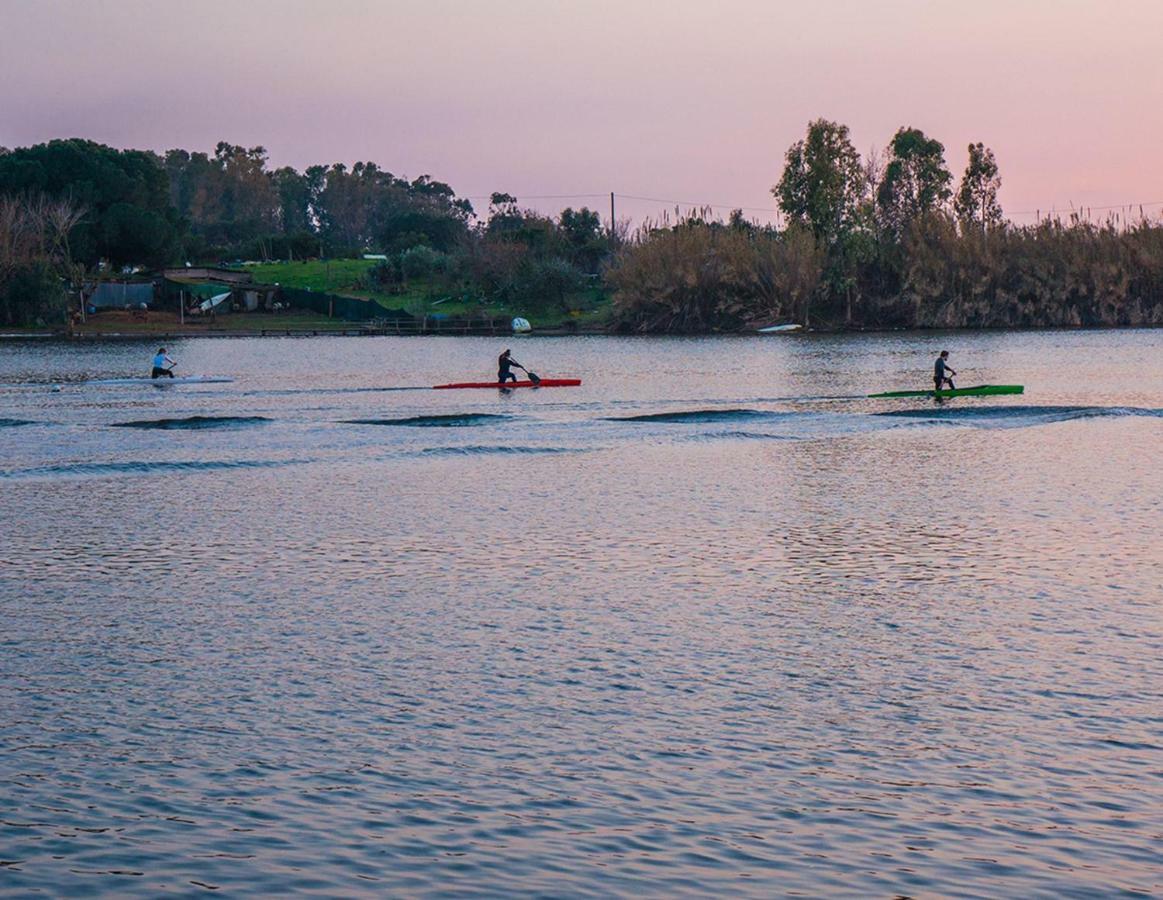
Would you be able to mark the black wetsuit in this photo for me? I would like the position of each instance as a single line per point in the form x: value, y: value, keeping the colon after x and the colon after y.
x: 504, y: 361
x: 939, y: 376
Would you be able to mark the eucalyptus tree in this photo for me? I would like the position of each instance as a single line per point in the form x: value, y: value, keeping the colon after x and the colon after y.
x: 915, y: 181
x: 824, y: 188
x: 976, y: 202
x: 823, y: 182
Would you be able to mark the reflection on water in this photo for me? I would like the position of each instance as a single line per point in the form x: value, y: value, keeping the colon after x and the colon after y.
x: 663, y: 633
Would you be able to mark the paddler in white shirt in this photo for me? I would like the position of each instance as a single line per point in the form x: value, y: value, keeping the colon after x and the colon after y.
x: 159, y: 365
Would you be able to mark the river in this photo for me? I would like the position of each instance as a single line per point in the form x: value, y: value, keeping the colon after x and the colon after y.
x: 710, y: 623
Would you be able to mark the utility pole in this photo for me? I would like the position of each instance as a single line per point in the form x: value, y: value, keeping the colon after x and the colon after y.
x: 612, y: 219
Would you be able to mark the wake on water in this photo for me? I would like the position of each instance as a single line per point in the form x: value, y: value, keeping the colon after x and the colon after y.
x: 452, y: 420
x: 98, y: 469
x: 1015, y: 416
x: 194, y: 422
x: 696, y: 425
x: 700, y: 416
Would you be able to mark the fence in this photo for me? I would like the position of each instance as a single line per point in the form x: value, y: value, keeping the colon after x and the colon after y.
x: 121, y: 294
x: 350, y: 309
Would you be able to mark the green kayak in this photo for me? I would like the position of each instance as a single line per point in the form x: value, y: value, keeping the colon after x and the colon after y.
x: 981, y: 390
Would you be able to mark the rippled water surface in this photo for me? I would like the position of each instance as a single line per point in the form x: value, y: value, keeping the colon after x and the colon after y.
x: 711, y: 623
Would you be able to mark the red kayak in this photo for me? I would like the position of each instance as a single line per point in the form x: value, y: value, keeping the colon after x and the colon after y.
x: 544, y: 382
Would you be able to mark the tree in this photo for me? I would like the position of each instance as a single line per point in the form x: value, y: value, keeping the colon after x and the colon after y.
x: 586, y: 242
x: 823, y: 182
x: 504, y: 214
x: 105, y: 181
x: 422, y: 211
x: 976, y: 202
x: 915, y: 180
x: 370, y: 207
x: 35, y: 259
x: 294, y: 200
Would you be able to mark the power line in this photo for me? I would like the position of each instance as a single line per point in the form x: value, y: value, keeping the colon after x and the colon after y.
x: 546, y: 196
x: 1050, y: 209
x: 1086, y: 206
x: 765, y: 209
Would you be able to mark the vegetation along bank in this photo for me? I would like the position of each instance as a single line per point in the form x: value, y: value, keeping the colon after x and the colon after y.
x: 878, y: 242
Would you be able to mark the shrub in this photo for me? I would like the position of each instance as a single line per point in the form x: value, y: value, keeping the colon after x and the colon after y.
x: 699, y: 276
x: 422, y: 261
x: 33, y: 294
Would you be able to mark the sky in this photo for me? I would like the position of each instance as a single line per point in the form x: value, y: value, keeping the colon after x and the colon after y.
x: 675, y: 100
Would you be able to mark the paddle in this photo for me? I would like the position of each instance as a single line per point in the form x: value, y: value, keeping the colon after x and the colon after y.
x: 532, y: 376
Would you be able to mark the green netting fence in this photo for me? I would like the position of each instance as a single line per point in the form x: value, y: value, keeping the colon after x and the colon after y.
x: 350, y: 309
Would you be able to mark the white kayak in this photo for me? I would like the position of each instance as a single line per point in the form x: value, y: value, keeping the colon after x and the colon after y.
x: 177, y: 379
x: 779, y: 329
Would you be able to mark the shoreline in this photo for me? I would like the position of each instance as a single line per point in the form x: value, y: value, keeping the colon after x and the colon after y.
x: 358, y: 331
x: 166, y: 335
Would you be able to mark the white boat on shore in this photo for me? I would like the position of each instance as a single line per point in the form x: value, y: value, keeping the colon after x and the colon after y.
x: 781, y: 329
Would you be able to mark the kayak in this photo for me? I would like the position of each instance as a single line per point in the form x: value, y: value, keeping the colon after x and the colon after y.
x: 544, y: 382
x: 191, y: 379
x: 981, y: 390
x: 177, y: 379
x: 780, y: 329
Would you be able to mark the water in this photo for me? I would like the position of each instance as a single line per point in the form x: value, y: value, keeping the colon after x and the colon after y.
x: 710, y: 623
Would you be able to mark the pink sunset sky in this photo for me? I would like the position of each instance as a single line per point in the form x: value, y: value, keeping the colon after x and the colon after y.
x: 679, y: 100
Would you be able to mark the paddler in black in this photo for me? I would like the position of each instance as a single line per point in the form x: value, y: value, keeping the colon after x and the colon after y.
x: 940, y: 367
x: 504, y: 361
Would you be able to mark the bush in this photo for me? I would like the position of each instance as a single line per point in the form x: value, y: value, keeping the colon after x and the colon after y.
x: 33, y: 294
x: 384, y: 275
x: 422, y: 261
x: 700, y: 276
x: 547, y: 281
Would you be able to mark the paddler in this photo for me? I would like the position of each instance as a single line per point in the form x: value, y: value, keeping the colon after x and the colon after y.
x: 504, y: 362
x: 940, y: 367
x: 159, y: 365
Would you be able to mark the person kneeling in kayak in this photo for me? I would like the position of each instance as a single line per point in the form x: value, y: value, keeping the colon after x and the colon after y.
x: 504, y: 361
x: 940, y: 367
x: 159, y: 365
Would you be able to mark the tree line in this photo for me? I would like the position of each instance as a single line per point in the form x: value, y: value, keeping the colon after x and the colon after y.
x: 134, y: 208
x: 886, y: 241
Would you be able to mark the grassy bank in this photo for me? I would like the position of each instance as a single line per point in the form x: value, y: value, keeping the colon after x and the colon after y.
x: 588, y: 309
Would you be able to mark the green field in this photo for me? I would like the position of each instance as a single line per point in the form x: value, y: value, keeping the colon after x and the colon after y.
x: 348, y: 277
x: 337, y: 276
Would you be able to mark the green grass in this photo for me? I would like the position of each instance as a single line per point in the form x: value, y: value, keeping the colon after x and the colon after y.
x: 588, y: 308
x: 336, y: 276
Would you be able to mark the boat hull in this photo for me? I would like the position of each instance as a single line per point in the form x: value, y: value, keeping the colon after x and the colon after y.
x: 145, y: 379
x: 544, y: 382
x: 981, y: 390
